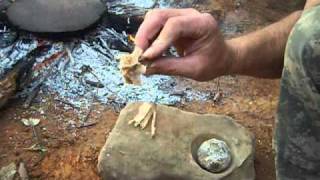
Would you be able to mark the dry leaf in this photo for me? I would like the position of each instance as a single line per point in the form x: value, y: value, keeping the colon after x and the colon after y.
x: 30, y: 122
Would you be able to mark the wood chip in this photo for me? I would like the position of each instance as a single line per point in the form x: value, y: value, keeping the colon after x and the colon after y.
x: 142, y: 113
x: 146, y: 120
x: 146, y: 112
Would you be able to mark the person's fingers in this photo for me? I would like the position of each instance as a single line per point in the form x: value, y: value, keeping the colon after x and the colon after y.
x: 153, y: 23
x: 184, y: 66
x: 177, y: 28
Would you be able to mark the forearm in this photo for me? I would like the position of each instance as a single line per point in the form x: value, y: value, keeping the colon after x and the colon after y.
x: 261, y: 53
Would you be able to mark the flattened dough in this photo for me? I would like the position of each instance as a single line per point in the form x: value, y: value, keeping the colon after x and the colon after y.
x: 130, y: 67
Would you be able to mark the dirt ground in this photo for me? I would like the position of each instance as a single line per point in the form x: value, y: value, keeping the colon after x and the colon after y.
x: 72, y: 150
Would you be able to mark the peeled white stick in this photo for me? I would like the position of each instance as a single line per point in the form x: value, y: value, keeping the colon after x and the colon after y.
x: 153, y: 123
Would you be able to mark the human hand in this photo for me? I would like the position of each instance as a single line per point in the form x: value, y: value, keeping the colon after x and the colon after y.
x: 203, y: 52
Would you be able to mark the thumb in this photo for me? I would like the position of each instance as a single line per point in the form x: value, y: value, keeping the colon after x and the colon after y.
x: 184, y: 66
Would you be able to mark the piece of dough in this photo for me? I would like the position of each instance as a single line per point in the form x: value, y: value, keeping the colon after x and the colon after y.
x: 131, y: 68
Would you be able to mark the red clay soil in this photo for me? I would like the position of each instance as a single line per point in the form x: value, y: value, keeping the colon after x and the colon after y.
x: 72, y: 154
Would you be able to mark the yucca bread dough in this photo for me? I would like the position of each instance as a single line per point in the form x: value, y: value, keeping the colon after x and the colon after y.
x: 130, y: 67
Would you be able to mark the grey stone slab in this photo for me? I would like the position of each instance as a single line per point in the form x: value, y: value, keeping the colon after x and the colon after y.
x: 131, y: 153
x: 55, y: 15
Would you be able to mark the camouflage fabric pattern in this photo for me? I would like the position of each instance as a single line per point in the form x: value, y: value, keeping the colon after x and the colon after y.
x: 297, y: 138
x: 296, y: 4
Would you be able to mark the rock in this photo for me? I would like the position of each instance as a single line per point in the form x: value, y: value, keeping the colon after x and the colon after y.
x: 55, y: 16
x: 8, y: 172
x: 131, y: 154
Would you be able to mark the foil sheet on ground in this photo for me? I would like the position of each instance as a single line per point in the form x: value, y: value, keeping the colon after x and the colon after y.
x: 88, y: 71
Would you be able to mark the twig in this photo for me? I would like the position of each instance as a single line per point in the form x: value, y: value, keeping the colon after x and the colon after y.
x: 218, y: 93
x: 87, y: 125
x: 31, y: 96
x: 67, y: 103
x: 94, y: 84
x: 69, y: 54
x: 218, y: 85
x: 35, y: 134
x: 88, y: 114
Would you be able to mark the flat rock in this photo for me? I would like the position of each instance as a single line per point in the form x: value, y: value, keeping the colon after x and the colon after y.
x: 131, y: 153
x: 55, y: 15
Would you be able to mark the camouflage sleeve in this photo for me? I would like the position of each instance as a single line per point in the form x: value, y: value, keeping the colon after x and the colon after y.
x: 296, y: 3
x: 297, y: 138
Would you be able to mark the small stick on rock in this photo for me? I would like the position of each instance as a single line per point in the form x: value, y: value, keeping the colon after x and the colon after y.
x: 153, y: 123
